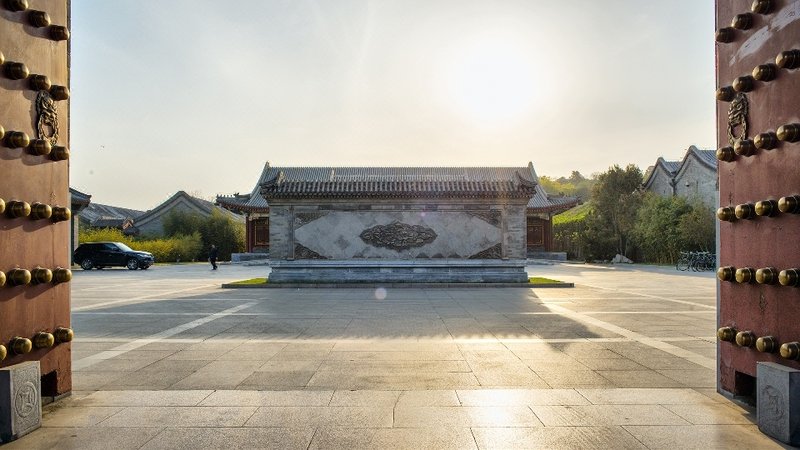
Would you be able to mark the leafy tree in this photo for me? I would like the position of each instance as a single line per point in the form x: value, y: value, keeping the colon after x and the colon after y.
x: 616, y: 198
x: 569, y: 231
x: 697, y: 227
x: 223, y: 232
x: 575, y: 186
x: 656, y: 231
x: 182, y: 222
x: 576, y: 178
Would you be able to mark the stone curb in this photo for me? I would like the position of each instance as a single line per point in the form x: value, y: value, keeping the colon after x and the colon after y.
x: 393, y: 285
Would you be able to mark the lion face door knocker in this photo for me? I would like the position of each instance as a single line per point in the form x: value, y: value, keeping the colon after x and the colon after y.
x: 47, y: 123
x: 737, y: 119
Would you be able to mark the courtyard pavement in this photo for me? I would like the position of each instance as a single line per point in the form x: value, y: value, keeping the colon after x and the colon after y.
x: 164, y: 358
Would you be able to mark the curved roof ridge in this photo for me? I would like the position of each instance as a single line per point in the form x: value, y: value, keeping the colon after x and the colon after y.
x: 669, y: 167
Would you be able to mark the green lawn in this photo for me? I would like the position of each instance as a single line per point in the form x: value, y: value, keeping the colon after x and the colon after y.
x: 542, y: 280
x: 252, y: 281
x: 532, y: 280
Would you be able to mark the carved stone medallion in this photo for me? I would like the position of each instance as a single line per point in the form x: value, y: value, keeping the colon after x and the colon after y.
x: 737, y: 118
x: 47, y: 122
x: 27, y: 400
x: 398, y: 236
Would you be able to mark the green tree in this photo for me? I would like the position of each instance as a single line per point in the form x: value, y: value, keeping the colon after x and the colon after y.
x: 185, y: 223
x: 224, y: 232
x: 576, y: 178
x: 569, y: 231
x: 698, y: 228
x: 575, y: 186
x: 657, y: 231
x: 616, y: 199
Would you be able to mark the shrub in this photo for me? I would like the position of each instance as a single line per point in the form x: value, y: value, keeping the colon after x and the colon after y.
x: 217, y: 229
x: 656, y: 230
x: 569, y: 231
x: 104, y: 234
x: 223, y: 232
x: 668, y: 225
x: 177, y: 248
x: 172, y: 249
x: 697, y: 227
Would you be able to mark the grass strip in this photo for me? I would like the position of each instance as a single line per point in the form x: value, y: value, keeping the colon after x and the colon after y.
x: 542, y: 280
x: 251, y: 281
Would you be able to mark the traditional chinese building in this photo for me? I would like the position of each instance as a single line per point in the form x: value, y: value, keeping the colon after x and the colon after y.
x: 255, y: 210
x: 694, y: 176
x: 392, y: 224
x: 541, y: 209
x: 253, y: 206
x: 151, y: 222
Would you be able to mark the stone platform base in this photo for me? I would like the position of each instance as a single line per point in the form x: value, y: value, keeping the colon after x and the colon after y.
x: 242, y: 257
x: 399, y: 271
x: 552, y: 256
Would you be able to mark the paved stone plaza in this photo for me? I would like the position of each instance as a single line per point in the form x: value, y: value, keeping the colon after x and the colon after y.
x: 164, y: 358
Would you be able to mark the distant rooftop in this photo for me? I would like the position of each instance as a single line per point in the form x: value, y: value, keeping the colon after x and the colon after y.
x: 295, y: 182
x: 357, y: 180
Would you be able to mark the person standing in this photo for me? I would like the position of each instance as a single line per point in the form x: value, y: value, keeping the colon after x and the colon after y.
x: 212, y: 257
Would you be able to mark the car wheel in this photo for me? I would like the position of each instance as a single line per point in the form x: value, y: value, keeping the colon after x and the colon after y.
x: 87, y: 264
x: 133, y: 264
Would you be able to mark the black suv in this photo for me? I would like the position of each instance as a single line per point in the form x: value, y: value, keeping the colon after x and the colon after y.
x: 105, y: 254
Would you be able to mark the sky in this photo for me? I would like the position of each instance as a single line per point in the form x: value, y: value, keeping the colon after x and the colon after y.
x: 197, y: 95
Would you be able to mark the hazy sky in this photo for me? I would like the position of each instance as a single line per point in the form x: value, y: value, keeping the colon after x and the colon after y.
x: 197, y: 95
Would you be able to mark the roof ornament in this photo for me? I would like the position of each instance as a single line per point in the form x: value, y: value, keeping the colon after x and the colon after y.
x: 274, y: 180
x: 524, y: 181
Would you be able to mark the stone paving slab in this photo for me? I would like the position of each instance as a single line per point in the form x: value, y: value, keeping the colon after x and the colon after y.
x: 619, y: 361
x: 545, y: 418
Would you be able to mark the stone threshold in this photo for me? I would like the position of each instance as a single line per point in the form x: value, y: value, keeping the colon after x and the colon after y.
x: 394, y: 285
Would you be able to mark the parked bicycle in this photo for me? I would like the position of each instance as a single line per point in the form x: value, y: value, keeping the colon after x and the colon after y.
x: 697, y: 261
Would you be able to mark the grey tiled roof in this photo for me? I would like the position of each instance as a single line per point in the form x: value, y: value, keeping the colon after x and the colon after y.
x: 670, y: 166
x: 542, y: 202
x: 202, y: 206
x: 77, y: 196
x: 100, y: 215
x: 707, y: 157
x: 296, y: 182
x: 253, y: 202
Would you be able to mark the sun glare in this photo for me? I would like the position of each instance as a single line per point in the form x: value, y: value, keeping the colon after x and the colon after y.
x: 492, y: 81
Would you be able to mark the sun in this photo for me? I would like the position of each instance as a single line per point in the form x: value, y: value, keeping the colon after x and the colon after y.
x: 492, y: 81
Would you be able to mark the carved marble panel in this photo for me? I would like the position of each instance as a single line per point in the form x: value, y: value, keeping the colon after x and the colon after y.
x: 302, y: 218
x: 493, y: 252
x: 492, y: 216
x: 455, y: 234
x: 398, y: 236
x: 302, y: 252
